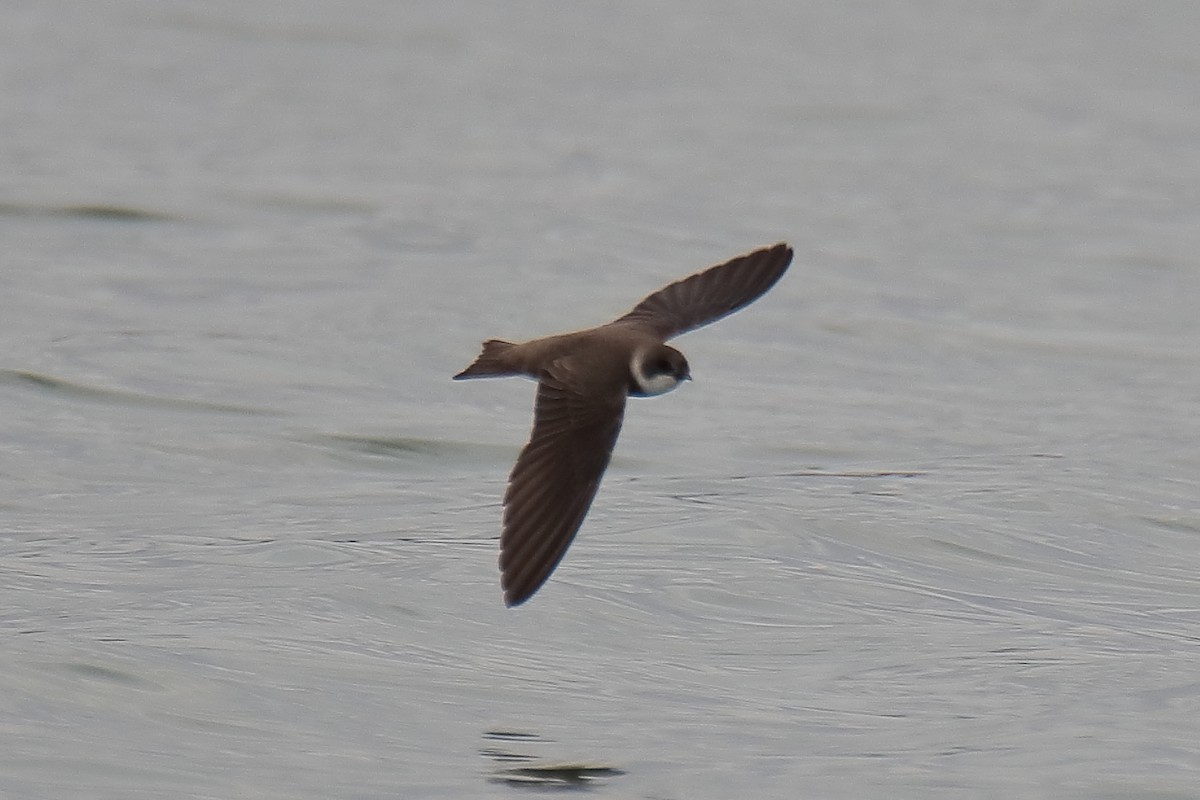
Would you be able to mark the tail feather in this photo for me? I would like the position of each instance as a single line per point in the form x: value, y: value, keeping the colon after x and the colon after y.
x: 491, y: 362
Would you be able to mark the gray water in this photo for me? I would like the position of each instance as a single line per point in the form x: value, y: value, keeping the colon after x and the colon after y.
x: 926, y: 524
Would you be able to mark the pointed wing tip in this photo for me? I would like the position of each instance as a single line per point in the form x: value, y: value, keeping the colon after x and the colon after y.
x: 776, y: 260
x: 515, y: 596
x: 519, y: 583
x: 783, y: 249
x: 516, y: 582
x: 771, y: 263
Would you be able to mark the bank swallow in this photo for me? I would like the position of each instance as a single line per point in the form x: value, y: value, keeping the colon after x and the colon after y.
x: 583, y: 379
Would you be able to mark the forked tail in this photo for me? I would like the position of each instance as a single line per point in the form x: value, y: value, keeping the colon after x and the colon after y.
x: 491, y: 362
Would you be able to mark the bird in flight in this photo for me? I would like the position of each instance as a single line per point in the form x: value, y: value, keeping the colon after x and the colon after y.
x: 583, y: 379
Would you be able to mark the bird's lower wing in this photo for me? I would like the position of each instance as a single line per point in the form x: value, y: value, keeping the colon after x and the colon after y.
x: 554, y: 480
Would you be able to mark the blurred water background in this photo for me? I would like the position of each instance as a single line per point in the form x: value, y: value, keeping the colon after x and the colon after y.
x: 926, y: 524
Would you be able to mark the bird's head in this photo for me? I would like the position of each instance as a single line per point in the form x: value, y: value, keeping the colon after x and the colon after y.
x: 656, y: 370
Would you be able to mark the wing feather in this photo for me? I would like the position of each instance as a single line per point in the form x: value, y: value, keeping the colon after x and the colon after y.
x: 707, y: 296
x: 555, y: 479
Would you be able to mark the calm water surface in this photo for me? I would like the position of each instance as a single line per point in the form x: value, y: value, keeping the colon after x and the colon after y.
x: 925, y: 524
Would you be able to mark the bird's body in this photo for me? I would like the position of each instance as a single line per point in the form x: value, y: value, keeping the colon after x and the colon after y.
x: 607, y: 351
x: 583, y: 380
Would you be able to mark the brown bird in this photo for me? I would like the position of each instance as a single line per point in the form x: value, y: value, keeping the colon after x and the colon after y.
x: 583, y: 380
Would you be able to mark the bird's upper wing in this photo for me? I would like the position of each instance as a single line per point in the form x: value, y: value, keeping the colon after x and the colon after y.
x: 709, y: 295
x: 556, y: 476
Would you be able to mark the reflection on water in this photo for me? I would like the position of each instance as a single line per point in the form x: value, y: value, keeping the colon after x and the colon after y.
x: 404, y: 447
x: 102, y: 213
x: 72, y: 390
x: 526, y: 770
